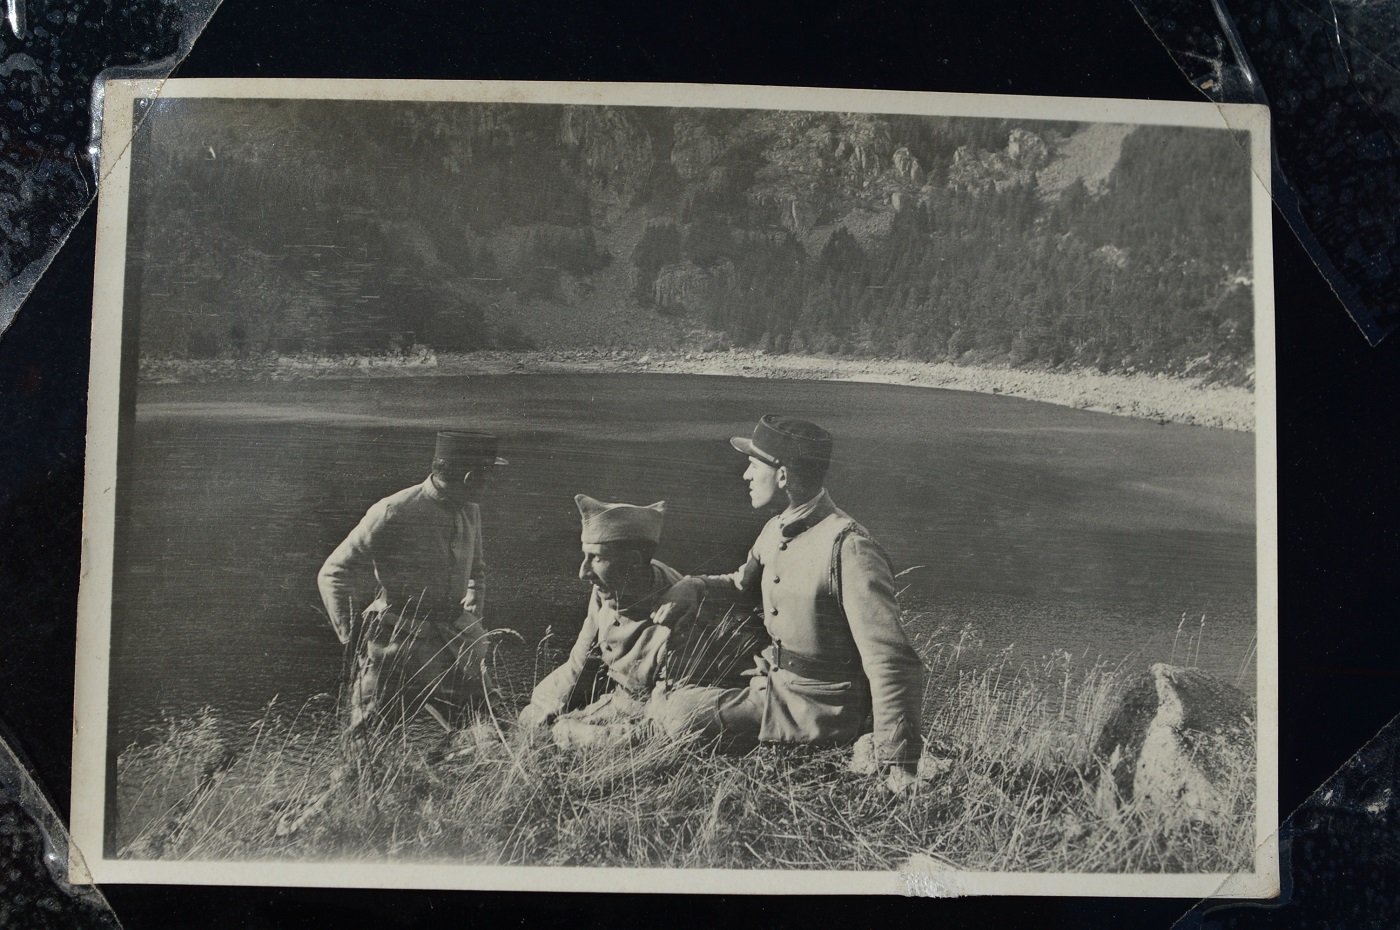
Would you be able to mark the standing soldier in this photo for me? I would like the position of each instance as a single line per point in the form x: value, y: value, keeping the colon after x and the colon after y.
x: 839, y: 658
x: 420, y: 645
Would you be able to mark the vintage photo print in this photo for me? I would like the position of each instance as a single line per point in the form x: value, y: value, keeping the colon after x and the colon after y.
x: 679, y: 488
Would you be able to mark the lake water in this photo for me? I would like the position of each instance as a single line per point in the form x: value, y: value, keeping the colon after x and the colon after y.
x: 1044, y: 527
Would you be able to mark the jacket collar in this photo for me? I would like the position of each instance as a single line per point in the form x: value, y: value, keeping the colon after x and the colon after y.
x: 805, y: 516
x: 431, y: 492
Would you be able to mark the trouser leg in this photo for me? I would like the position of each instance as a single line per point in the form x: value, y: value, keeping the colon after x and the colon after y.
x: 613, y: 721
x: 436, y: 670
x: 616, y: 706
x: 731, y: 718
x: 455, y: 676
x: 373, y: 695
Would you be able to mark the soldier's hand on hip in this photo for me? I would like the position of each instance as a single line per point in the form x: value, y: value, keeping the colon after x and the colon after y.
x: 761, y: 668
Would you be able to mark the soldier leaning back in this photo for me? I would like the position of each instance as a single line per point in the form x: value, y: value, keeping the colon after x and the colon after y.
x: 840, y: 659
x: 421, y: 643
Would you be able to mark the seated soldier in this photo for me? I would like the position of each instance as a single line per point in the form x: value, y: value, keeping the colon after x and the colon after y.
x: 624, y: 646
x: 840, y: 663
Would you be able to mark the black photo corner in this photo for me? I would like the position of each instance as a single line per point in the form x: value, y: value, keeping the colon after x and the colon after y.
x: 1339, y: 508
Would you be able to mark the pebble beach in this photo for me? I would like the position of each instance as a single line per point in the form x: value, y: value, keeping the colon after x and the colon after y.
x: 1157, y: 397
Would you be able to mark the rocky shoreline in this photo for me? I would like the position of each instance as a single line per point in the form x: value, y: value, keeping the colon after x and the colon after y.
x: 1145, y: 396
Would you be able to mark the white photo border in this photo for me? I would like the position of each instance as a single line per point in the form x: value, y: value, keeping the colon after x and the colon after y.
x: 88, y: 862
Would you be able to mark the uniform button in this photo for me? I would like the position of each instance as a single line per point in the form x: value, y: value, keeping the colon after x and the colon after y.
x: 776, y: 580
x: 774, y: 611
x: 783, y: 546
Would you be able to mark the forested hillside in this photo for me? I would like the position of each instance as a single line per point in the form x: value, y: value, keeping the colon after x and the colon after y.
x: 328, y: 227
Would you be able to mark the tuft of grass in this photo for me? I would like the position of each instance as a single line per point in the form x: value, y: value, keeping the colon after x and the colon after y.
x: 1021, y: 790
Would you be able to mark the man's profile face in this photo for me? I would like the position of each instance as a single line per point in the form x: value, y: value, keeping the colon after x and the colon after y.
x: 474, y: 483
x: 763, y: 483
x: 469, y: 487
x: 607, y: 566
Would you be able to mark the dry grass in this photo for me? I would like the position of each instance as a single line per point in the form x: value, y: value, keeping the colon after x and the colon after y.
x: 1021, y: 791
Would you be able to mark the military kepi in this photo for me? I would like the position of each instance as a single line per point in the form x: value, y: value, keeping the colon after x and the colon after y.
x: 606, y: 523
x: 461, y: 449
x: 786, y: 441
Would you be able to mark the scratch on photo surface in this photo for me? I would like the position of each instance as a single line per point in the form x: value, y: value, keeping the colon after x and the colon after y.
x: 918, y: 880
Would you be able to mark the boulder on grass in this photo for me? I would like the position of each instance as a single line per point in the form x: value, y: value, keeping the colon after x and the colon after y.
x: 1183, y: 741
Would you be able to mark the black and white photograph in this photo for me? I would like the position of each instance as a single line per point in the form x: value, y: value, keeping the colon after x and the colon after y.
x: 679, y: 488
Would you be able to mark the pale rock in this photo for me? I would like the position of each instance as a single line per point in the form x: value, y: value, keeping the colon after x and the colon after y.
x: 687, y: 285
x: 1180, y: 740
x: 1027, y: 150
x: 907, y: 166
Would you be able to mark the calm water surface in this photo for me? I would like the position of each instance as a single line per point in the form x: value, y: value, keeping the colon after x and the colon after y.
x: 1044, y: 527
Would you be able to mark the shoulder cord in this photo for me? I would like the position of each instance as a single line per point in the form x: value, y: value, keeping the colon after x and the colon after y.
x: 851, y: 528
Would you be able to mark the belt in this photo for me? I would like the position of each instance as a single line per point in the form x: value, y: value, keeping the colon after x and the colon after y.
x: 821, y: 669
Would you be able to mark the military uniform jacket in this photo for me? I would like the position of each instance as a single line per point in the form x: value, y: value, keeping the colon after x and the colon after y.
x: 829, y: 605
x: 630, y: 646
x: 424, y: 552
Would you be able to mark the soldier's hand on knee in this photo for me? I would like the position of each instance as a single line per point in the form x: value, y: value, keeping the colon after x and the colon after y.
x: 532, y: 718
x: 681, y: 603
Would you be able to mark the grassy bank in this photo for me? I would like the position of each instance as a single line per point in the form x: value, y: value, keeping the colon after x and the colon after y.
x: 1018, y: 791
x: 1196, y: 401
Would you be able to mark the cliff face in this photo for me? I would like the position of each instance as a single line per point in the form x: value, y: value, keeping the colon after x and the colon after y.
x: 805, y: 170
x: 615, y: 152
x: 801, y: 170
x: 339, y: 227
